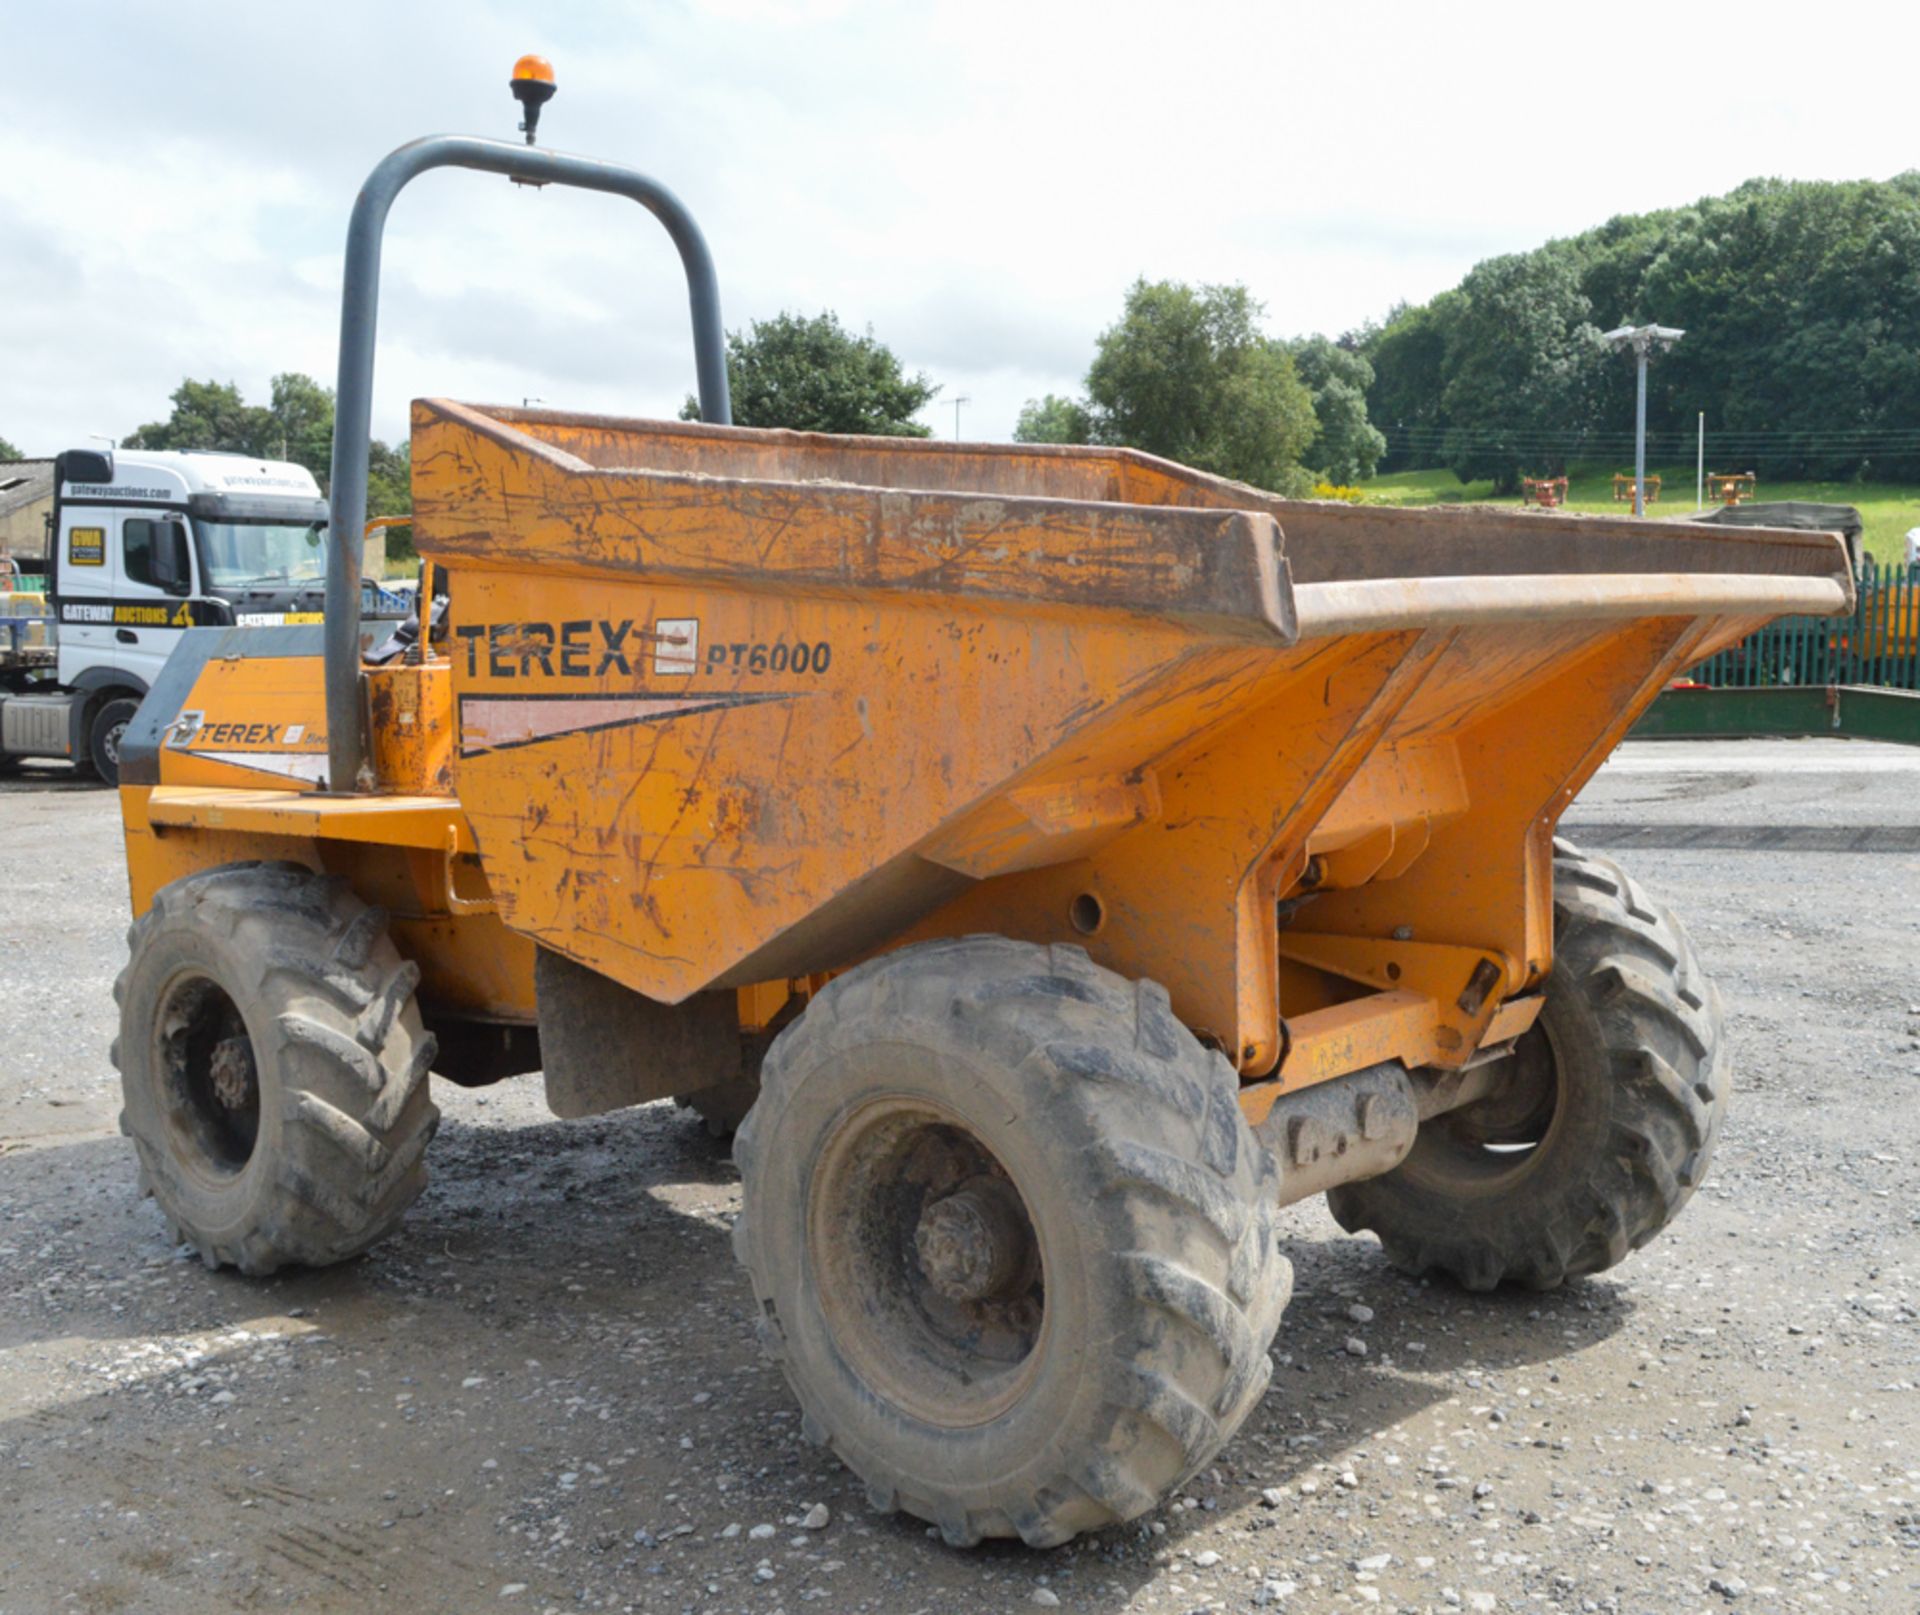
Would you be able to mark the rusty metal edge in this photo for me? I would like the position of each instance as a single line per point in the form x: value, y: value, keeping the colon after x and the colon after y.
x: 1267, y: 608
x: 1330, y: 609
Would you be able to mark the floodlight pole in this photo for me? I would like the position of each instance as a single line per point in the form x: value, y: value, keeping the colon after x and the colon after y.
x: 1700, y: 466
x: 1642, y: 339
x: 1640, y: 436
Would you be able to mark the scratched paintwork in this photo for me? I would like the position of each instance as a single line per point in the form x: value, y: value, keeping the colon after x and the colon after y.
x: 410, y: 727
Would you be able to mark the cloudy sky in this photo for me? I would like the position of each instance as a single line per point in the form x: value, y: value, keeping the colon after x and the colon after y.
x: 977, y: 182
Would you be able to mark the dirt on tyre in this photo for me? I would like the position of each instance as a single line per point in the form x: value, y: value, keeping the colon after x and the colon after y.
x: 1606, y: 1129
x: 1010, y: 1238
x: 274, y: 1067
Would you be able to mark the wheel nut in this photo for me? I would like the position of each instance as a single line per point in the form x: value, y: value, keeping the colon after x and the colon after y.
x: 974, y: 1243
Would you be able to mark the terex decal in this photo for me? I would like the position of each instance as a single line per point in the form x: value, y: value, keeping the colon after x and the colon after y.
x: 265, y: 748
x: 588, y: 648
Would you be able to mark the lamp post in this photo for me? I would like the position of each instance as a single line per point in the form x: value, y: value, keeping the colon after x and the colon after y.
x: 1642, y: 339
x: 962, y: 399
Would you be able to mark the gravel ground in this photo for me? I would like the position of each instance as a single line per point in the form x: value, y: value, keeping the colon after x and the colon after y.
x: 543, y: 1394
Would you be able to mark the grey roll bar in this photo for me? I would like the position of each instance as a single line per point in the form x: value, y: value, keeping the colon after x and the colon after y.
x: 353, y: 391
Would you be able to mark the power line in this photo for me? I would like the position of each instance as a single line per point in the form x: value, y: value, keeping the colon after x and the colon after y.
x: 1901, y: 434
x: 1591, y: 434
x: 1674, y: 443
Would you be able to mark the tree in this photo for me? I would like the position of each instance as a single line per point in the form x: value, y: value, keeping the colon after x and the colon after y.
x: 206, y: 415
x: 1187, y: 373
x: 301, y: 426
x: 9, y: 452
x: 814, y: 375
x: 1406, y: 397
x: 1522, y: 359
x: 390, y: 492
x: 1345, y: 447
x: 1801, y: 305
x: 1053, y: 420
x: 297, y: 425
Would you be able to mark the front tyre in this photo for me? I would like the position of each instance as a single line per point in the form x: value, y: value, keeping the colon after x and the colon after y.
x: 1010, y: 1238
x: 274, y: 1067
x: 1608, y: 1124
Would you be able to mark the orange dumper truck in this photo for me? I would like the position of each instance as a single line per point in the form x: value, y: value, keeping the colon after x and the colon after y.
x: 1054, y: 859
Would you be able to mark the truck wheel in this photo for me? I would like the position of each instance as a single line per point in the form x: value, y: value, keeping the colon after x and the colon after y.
x: 1605, y: 1130
x: 1010, y: 1238
x: 274, y: 1067
x: 104, y: 733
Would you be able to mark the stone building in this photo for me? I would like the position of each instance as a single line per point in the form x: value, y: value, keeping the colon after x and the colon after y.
x: 26, y: 499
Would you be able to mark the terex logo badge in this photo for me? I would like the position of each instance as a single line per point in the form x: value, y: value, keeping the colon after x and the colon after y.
x: 676, y: 645
x: 580, y: 649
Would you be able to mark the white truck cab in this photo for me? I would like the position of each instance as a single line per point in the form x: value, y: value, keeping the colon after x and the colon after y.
x: 142, y: 546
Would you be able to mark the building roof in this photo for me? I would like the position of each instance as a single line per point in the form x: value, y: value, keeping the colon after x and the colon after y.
x: 24, y: 483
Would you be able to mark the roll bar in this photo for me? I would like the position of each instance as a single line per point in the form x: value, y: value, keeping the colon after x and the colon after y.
x: 353, y: 392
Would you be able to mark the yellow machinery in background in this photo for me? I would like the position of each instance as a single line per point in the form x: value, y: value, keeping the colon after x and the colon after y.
x: 1059, y: 858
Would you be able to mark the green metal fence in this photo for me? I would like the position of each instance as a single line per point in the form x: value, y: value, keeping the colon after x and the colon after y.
x: 1847, y: 711
x: 1879, y: 645
x: 1855, y: 676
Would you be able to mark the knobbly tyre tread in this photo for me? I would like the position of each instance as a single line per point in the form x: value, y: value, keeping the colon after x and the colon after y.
x: 1192, y: 1298
x: 341, y: 1054
x: 1645, y: 1146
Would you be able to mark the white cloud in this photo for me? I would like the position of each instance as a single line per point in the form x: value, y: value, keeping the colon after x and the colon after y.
x: 978, y: 182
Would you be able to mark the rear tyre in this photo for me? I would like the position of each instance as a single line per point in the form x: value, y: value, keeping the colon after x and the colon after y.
x: 104, y: 734
x: 1607, y: 1128
x: 1010, y: 1238
x: 274, y: 1067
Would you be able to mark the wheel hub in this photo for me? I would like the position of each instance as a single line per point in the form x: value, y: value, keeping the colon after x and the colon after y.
x: 231, y: 1068
x: 211, y: 1079
x: 929, y: 1272
x: 974, y: 1244
x: 1519, y: 1112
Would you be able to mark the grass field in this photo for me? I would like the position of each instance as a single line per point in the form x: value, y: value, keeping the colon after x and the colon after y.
x: 1887, y: 509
